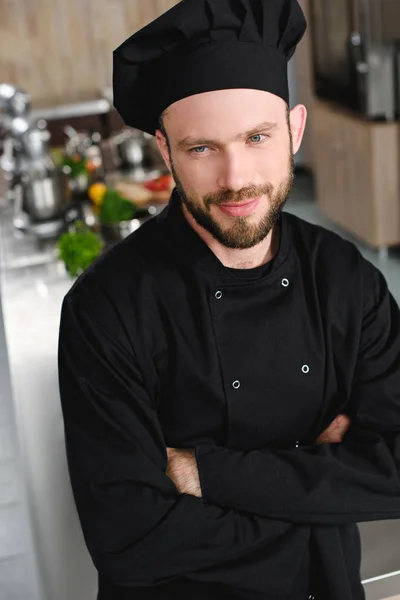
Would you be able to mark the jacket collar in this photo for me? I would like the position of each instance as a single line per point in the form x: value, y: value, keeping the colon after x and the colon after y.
x: 194, y: 252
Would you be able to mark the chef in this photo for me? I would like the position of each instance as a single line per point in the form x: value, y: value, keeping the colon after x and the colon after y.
x: 229, y: 373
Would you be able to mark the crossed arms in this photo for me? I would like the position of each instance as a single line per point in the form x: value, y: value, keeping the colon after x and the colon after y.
x: 183, y: 470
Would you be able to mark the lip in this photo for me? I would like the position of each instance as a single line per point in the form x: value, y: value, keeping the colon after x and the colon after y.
x: 239, y: 210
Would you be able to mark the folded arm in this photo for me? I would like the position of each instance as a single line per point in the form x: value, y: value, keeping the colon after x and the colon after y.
x: 357, y: 480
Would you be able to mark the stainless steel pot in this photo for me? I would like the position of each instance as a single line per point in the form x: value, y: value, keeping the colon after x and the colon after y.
x: 131, y: 152
x: 35, y: 142
x: 130, y: 149
x: 44, y: 193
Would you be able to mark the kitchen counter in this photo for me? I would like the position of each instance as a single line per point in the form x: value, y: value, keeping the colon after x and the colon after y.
x: 33, y: 284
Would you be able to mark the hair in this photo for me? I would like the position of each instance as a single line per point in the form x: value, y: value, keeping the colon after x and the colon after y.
x: 161, y: 123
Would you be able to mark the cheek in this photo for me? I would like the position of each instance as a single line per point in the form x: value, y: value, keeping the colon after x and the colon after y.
x: 196, y: 174
x: 275, y: 162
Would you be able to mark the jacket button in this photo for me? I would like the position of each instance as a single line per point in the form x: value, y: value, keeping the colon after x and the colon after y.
x: 218, y: 295
x: 236, y: 384
x: 305, y: 369
x: 285, y: 282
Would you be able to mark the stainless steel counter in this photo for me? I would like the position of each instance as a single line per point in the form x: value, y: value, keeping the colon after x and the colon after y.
x: 33, y: 284
x: 19, y: 250
x: 18, y: 568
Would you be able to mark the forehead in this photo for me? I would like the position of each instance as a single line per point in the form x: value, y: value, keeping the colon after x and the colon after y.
x: 224, y: 112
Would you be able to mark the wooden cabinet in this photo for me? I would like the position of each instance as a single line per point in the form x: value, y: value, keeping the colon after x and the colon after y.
x: 357, y: 174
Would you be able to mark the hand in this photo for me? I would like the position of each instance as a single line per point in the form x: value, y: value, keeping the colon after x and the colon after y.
x: 336, y: 431
x: 182, y: 469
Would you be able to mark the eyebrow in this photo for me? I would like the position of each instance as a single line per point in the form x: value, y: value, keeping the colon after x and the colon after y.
x: 190, y: 141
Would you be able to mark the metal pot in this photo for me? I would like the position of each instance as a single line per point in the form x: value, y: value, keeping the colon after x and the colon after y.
x: 130, y: 149
x: 35, y: 142
x: 44, y: 194
x: 131, y: 152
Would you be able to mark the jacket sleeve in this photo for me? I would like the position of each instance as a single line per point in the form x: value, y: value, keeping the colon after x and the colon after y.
x: 138, y: 528
x: 354, y: 481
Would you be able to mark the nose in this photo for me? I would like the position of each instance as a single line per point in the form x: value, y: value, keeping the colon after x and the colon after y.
x: 233, y: 173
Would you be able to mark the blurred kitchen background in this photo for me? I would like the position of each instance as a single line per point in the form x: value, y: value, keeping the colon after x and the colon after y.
x: 74, y: 180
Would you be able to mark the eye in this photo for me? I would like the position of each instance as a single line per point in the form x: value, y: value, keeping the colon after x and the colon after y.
x: 198, y: 149
x: 257, y: 135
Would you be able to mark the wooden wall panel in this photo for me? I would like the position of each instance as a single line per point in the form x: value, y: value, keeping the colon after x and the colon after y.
x: 357, y: 174
x: 61, y: 51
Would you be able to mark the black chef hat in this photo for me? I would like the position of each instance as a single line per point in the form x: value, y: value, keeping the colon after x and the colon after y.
x: 204, y: 45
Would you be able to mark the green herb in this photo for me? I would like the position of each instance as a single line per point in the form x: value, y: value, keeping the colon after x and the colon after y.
x: 79, y: 248
x: 75, y: 165
x: 115, y: 209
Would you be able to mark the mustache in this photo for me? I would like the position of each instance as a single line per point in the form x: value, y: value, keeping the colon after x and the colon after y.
x: 229, y: 197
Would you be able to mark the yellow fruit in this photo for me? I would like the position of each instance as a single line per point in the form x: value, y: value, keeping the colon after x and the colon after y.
x: 96, y: 192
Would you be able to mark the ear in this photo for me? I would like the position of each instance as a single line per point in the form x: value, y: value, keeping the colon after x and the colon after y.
x: 298, y: 119
x: 163, y: 148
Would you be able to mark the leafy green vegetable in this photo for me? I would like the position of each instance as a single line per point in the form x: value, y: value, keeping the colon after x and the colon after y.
x: 115, y: 209
x: 76, y: 165
x: 79, y: 248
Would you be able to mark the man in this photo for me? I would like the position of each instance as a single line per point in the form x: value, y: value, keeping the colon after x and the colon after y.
x: 229, y: 374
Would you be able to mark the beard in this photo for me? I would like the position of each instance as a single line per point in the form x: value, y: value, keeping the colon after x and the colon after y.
x: 242, y: 234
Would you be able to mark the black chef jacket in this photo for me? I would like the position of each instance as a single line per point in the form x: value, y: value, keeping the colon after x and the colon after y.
x: 161, y: 345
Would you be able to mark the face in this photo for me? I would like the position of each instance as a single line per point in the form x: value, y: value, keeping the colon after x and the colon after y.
x: 231, y: 155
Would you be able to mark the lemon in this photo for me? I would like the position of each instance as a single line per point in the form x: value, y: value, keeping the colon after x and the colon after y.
x: 96, y: 193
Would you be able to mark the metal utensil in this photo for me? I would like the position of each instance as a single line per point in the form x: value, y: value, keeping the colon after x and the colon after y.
x: 14, y: 102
